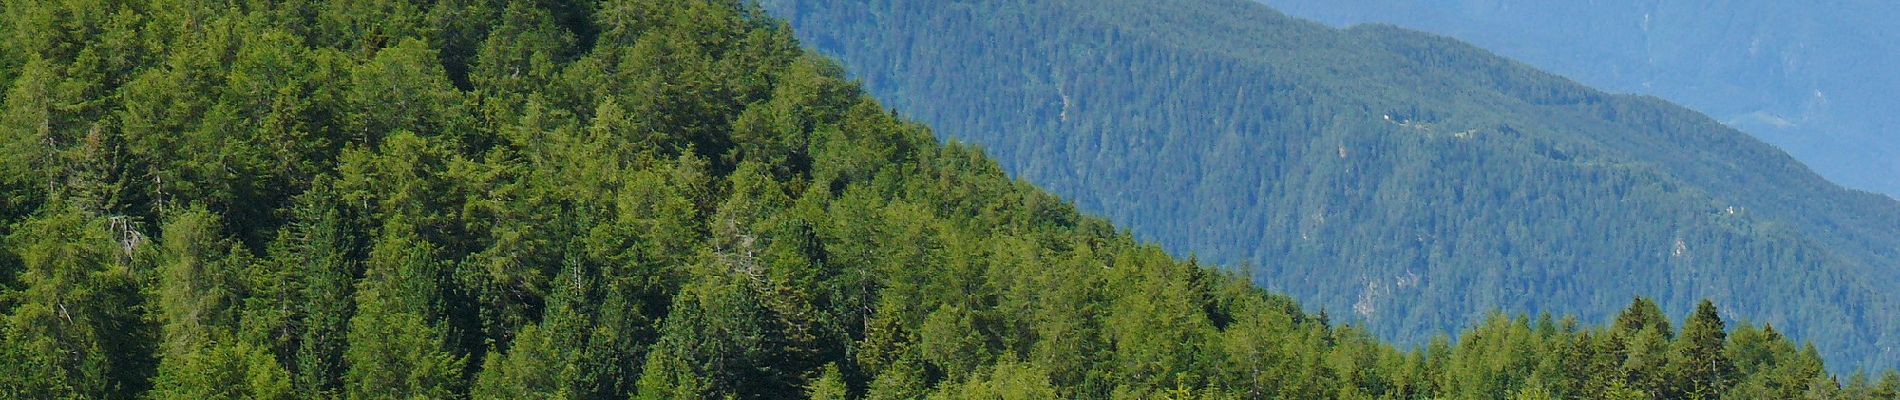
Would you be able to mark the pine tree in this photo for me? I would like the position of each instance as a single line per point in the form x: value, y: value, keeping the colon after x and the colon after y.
x: 1642, y: 338
x: 1889, y: 388
x: 79, y: 325
x: 197, y: 284
x: 396, y: 353
x: 205, y: 352
x: 320, y: 259
x: 1643, y: 314
x: 828, y: 386
x: 396, y: 344
x: 549, y: 359
x: 1006, y: 381
x: 1698, y: 365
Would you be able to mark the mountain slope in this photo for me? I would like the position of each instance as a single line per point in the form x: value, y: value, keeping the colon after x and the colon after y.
x: 1407, y: 181
x: 1810, y: 78
x: 636, y: 199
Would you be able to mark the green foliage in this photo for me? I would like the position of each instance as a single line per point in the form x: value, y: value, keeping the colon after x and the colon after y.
x: 198, y: 292
x: 1642, y: 315
x: 223, y: 371
x: 395, y: 354
x: 75, y: 322
x: 206, y: 350
x: 527, y: 371
x: 363, y: 199
x: 1007, y: 381
x: 316, y: 253
x: 828, y: 386
x: 1698, y: 365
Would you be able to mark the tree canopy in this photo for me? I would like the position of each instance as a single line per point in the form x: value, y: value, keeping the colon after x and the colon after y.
x: 646, y: 199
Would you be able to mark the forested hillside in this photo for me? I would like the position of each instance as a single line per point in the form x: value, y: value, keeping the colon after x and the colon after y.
x: 1812, y: 78
x: 1402, y: 180
x: 635, y: 199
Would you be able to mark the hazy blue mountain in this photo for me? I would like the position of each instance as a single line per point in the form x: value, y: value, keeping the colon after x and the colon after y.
x: 1815, y: 78
x: 1400, y: 180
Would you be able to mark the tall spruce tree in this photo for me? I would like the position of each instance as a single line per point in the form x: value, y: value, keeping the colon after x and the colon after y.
x: 1699, y: 367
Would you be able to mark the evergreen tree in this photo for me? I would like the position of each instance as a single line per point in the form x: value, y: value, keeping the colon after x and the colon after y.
x: 828, y: 386
x: 1889, y: 386
x: 77, y: 324
x: 1643, y: 314
x: 1698, y: 365
x: 1008, y: 381
x: 320, y: 257
x: 205, y: 352
x: 396, y: 345
x: 396, y: 353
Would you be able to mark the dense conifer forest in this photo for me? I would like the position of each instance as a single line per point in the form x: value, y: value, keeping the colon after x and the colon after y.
x: 640, y: 199
x: 1405, y: 182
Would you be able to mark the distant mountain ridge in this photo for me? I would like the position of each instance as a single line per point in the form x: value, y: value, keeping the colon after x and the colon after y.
x: 1407, y: 179
x: 1812, y: 78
